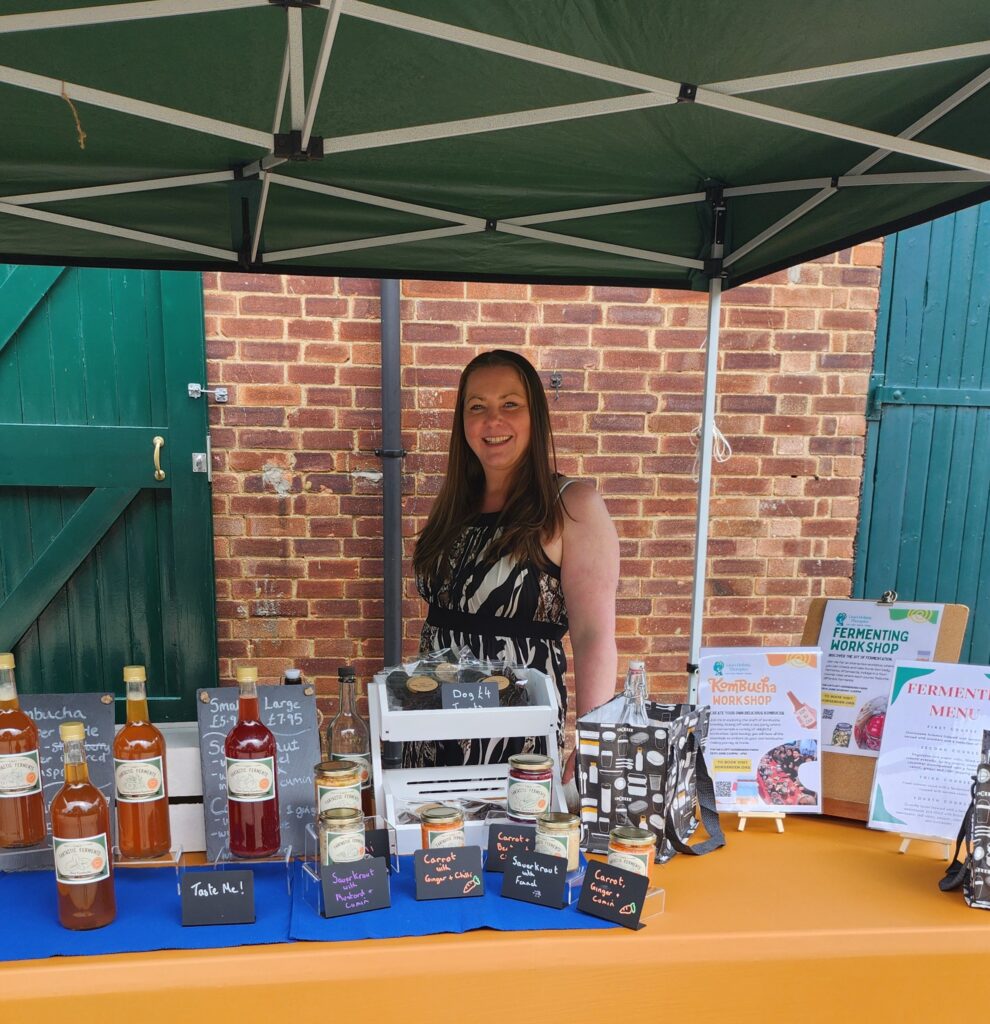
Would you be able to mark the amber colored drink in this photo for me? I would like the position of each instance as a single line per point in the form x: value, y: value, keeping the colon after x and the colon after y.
x: 22, y: 803
x: 139, y: 774
x: 81, y: 840
x: 252, y: 783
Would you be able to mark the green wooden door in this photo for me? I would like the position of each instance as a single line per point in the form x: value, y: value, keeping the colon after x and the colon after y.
x: 924, y: 528
x: 102, y: 565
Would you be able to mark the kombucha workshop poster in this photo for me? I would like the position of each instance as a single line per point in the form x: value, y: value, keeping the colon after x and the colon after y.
x: 861, y: 642
x: 764, y: 734
x: 932, y: 742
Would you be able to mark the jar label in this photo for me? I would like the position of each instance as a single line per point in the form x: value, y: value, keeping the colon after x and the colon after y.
x: 140, y: 781
x: 551, y: 845
x: 448, y: 837
x: 20, y: 774
x: 338, y: 796
x: 251, y: 781
x: 364, y: 760
x: 343, y: 849
x: 82, y: 861
x: 531, y: 798
x: 640, y: 863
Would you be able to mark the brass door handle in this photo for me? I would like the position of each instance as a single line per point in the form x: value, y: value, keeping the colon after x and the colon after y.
x: 159, y: 442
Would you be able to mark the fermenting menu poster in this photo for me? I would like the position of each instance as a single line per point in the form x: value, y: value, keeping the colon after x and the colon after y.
x: 764, y: 734
x: 861, y: 642
x: 931, y: 748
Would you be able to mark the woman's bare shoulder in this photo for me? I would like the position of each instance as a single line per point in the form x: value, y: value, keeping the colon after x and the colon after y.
x: 580, y: 498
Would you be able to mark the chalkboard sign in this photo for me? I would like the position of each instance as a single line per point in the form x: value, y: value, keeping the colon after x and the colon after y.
x: 354, y: 888
x: 448, y: 872
x: 217, y: 897
x: 613, y: 894
x: 468, y: 695
x: 48, y: 711
x: 505, y: 838
x: 291, y: 716
x: 535, y: 878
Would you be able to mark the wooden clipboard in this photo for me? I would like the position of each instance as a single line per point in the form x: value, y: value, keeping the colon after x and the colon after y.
x: 847, y: 779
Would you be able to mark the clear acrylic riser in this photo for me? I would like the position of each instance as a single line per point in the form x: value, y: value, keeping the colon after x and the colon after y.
x: 27, y: 858
x: 225, y: 860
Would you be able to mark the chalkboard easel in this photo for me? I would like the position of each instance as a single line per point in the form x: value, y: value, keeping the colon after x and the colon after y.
x: 847, y: 779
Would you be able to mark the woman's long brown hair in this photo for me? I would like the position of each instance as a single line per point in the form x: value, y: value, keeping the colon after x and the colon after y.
x: 533, y: 510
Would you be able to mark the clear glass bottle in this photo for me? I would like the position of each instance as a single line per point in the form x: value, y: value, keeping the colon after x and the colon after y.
x: 634, y: 708
x: 81, y: 841
x: 252, y: 778
x: 349, y: 738
x: 139, y: 775
x: 22, y: 803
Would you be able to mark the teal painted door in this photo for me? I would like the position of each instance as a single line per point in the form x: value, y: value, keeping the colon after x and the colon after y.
x: 101, y: 564
x: 924, y: 527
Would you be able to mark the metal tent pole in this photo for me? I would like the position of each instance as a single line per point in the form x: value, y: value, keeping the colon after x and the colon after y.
x: 391, y: 454
x: 705, y: 448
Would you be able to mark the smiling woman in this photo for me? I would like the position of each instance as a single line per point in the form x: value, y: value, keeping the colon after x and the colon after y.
x: 508, y: 562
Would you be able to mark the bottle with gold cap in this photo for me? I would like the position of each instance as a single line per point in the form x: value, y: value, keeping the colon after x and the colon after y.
x: 139, y: 776
x: 81, y: 840
x: 252, y: 783
x: 22, y: 804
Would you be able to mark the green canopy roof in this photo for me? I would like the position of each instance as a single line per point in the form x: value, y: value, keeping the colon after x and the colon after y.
x: 538, y: 140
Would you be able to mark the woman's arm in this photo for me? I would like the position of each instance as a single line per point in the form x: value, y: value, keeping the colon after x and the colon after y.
x: 589, y: 575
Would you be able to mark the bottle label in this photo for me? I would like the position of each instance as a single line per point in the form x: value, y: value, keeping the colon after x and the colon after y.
x: 82, y: 861
x: 140, y: 781
x: 552, y: 846
x: 338, y: 796
x: 531, y: 798
x: 364, y: 760
x: 344, y: 849
x: 640, y: 863
x: 448, y: 837
x: 251, y: 781
x: 20, y: 774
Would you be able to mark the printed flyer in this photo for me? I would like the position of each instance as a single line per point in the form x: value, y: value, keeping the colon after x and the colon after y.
x: 931, y: 748
x: 861, y: 642
x: 765, y: 728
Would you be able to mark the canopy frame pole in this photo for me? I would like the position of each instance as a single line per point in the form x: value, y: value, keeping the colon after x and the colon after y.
x: 297, y: 88
x: 112, y: 14
x: 319, y: 73
x: 705, y: 442
x: 119, y: 189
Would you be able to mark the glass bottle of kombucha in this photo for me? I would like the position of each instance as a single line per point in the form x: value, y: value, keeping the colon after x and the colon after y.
x: 81, y: 841
x: 139, y: 775
x: 22, y: 804
x: 349, y: 738
x: 252, y: 784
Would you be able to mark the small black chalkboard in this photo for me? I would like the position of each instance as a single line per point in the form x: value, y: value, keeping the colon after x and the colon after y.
x: 218, y: 897
x: 613, y: 894
x: 468, y: 695
x: 507, y: 838
x: 376, y: 842
x: 291, y: 715
x: 535, y: 878
x: 446, y: 873
x: 354, y: 888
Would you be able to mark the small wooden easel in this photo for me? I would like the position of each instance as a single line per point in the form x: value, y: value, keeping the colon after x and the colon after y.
x: 907, y: 838
x: 776, y: 816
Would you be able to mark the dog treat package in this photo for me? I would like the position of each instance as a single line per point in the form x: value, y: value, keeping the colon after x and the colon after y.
x: 973, y: 873
x: 415, y: 686
x: 650, y: 776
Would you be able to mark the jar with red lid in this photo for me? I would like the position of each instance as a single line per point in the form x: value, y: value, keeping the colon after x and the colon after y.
x: 529, y: 786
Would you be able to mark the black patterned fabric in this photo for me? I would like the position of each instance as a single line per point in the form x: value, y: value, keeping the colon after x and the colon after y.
x: 501, y: 610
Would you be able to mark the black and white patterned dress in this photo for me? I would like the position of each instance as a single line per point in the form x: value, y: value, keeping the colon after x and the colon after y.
x: 502, y: 609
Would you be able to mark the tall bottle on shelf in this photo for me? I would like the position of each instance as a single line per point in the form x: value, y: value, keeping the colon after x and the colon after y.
x: 22, y: 803
x: 139, y: 774
x: 349, y: 738
x: 252, y: 778
x: 634, y: 708
x: 81, y: 840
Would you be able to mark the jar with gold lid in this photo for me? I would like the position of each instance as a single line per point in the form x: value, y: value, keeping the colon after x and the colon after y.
x: 442, y: 825
x: 559, y: 835
x: 341, y: 832
x: 528, y: 788
x: 338, y: 784
x: 632, y: 848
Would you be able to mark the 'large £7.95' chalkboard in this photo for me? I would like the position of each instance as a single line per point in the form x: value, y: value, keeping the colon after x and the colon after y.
x: 291, y: 716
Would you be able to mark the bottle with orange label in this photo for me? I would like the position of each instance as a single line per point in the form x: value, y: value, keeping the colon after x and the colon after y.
x: 252, y: 784
x: 139, y: 775
x: 81, y: 841
x: 22, y: 804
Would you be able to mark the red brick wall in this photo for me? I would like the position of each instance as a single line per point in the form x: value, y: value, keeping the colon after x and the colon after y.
x: 297, y: 502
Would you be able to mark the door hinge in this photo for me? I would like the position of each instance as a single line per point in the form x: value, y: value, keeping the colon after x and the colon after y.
x: 202, y: 462
x: 197, y: 391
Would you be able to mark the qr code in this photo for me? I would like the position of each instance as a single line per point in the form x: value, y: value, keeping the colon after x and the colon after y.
x: 723, y: 789
x: 828, y: 712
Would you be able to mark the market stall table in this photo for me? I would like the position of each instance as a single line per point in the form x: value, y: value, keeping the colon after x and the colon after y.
x: 824, y: 920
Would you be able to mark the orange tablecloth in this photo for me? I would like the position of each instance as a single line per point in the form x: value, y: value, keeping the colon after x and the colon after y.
x: 825, y: 922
